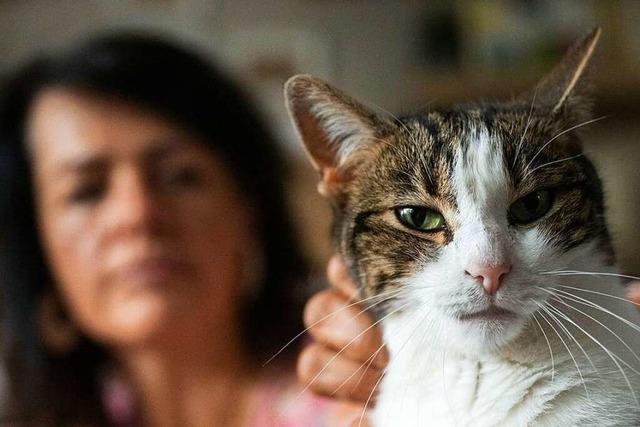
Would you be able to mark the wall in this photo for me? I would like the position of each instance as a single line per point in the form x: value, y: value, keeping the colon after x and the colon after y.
x: 363, y: 46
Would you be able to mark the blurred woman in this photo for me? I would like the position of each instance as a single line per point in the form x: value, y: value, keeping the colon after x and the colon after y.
x: 147, y: 263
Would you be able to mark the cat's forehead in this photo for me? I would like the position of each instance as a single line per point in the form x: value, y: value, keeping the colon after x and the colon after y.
x: 460, y: 127
x: 427, y: 147
x: 518, y: 130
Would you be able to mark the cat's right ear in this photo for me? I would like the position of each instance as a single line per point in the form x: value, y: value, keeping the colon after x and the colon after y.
x: 335, y: 130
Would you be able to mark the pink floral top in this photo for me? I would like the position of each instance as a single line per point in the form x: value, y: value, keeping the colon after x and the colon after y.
x: 277, y: 403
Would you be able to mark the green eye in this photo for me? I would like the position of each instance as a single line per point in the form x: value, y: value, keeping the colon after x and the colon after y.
x: 421, y: 219
x: 531, y: 207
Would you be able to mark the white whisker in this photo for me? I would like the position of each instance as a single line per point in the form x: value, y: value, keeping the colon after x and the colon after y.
x: 553, y: 369
x: 342, y: 350
x: 557, y: 298
x: 519, y: 147
x: 600, y: 293
x: 587, y: 273
x: 615, y: 358
x: 333, y: 313
x: 554, y: 318
x: 551, y: 163
x: 586, y: 355
x: 597, y: 119
x: 366, y: 404
x: 366, y: 365
x: 589, y: 303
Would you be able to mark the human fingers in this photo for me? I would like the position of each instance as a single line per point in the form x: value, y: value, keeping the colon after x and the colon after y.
x: 347, y: 414
x: 343, y: 327
x: 633, y: 293
x: 340, y: 279
x: 331, y: 374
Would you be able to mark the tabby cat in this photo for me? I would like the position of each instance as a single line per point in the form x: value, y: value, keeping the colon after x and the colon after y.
x: 477, y: 236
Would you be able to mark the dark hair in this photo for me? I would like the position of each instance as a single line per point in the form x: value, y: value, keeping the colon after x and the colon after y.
x: 180, y: 86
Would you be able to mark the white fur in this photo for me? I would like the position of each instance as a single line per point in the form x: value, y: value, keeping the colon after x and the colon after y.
x: 447, y: 372
x: 345, y: 130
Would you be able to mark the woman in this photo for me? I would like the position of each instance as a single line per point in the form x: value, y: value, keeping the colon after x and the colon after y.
x: 147, y: 263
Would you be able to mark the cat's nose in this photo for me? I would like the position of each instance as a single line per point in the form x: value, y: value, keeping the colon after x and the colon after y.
x: 490, y: 276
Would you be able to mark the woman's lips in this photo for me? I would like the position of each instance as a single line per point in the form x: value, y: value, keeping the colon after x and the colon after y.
x: 151, y: 271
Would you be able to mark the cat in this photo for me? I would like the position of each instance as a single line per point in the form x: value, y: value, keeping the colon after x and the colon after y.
x: 477, y: 236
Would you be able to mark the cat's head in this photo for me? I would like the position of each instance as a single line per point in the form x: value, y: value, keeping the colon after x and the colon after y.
x: 455, y: 213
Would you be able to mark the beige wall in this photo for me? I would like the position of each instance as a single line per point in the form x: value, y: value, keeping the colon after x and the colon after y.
x: 615, y: 149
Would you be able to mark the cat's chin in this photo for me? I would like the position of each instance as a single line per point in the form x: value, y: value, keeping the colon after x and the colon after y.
x: 490, y: 314
x: 486, y: 331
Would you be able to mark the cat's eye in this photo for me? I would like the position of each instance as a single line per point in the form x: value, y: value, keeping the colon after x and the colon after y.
x: 420, y: 218
x: 531, y: 207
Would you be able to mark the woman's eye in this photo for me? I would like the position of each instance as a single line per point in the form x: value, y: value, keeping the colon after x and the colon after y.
x: 420, y: 218
x: 185, y: 176
x: 531, y: 207
x: 86, y: 193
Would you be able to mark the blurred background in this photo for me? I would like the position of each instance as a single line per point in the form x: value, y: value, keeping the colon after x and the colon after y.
x: 394, y: 54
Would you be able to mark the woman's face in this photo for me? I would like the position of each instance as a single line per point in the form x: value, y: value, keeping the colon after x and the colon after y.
x: 143, y: 227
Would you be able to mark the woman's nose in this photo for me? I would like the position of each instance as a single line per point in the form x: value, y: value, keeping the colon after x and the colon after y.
x: 134, y: 203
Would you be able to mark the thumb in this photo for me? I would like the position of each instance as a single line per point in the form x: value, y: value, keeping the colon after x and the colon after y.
x: 633, y: 293
x: 348, y: 414
x: 359, y: 421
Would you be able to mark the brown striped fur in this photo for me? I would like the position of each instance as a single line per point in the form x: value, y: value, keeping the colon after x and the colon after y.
x: 370, y: 165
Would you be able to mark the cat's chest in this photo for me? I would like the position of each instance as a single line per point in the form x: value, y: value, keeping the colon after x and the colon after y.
x: 464, y: 393
x: 427, y: 386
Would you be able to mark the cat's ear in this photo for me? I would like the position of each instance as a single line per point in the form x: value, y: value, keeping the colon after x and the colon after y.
x: 564, y: 88
x: 336, y: 130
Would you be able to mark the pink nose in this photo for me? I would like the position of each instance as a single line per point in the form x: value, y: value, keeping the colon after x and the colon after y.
x: 490, y: 276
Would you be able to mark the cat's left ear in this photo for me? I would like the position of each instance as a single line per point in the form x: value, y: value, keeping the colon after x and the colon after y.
x: 564, y: 89
x: 336, y: 131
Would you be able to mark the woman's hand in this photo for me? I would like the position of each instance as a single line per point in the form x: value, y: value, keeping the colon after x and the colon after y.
x: 347, y: 357
x: 633, y: 293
